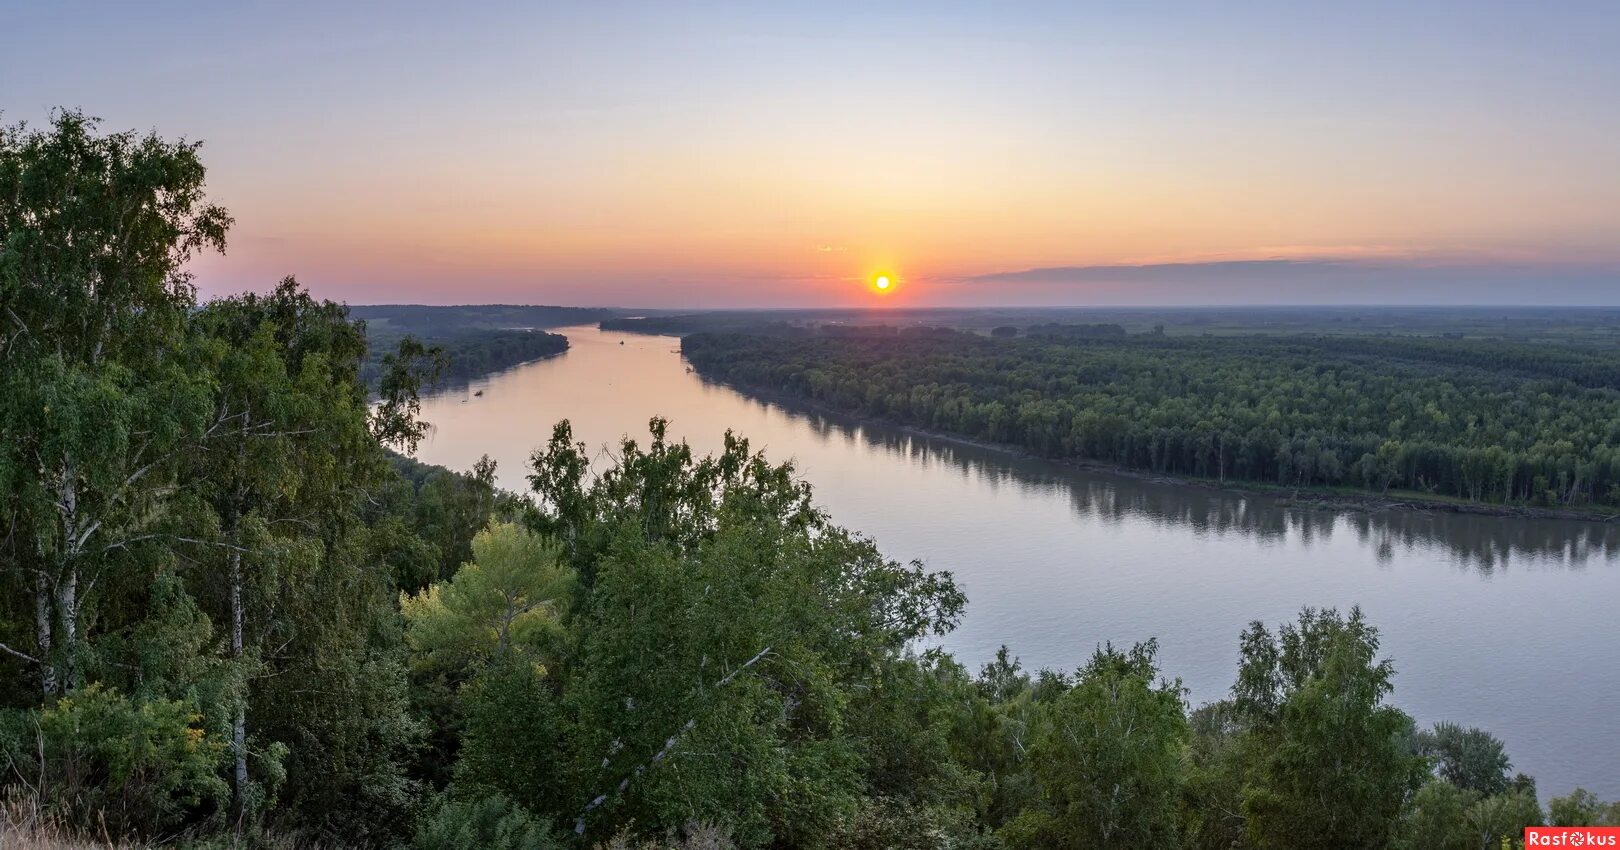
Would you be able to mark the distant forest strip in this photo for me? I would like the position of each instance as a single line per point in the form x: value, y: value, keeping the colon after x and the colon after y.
x: 425, y: 320
x: 470, y: 354
x: 1586, y: 327
x: 694, y: 323
x: 473, y: 340
x: 1483, y: 420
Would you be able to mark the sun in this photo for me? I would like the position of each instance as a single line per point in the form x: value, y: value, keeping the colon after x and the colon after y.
x: 883, y: 282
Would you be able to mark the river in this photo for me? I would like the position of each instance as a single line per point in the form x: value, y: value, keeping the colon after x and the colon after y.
x: 1504, y: 623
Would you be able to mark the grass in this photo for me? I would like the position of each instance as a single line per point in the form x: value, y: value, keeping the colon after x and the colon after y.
x: 25, y: 825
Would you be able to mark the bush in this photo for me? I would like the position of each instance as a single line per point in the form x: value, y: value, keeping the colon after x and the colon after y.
x: 1582, y: 808
x: 117, y: 764
x: 492, y: 822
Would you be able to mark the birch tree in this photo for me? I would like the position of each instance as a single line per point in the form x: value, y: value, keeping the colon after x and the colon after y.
x: 96, y: 397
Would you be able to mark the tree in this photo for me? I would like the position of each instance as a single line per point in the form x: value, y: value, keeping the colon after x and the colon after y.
x: 281, y: 545
x: 1220, y: 760
x: 510, y: 598
x: 1471, y: 759
x: 1499, y: 819
x: 447, y: 509
x: 1334, y: 766
x: 723, y: 633
x: 1437, y: 819
x: 1582, y: 808
x: 1442, y: 816
x: 1108, y: 758
x: 292, y: 442
x: 96, y: 398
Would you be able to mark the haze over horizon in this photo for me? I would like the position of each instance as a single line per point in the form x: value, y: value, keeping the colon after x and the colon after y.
x: 729, y: 155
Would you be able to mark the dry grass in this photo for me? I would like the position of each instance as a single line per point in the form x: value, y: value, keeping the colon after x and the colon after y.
x: 25, y: 825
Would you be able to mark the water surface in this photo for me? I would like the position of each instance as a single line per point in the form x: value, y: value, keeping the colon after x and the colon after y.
x: 1507, y: 624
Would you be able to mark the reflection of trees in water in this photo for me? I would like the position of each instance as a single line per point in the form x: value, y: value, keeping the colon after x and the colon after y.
x: 1488, y: 543
x: 1477, y: 541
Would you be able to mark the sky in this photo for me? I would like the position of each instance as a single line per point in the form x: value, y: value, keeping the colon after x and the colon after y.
x: 672, y: 154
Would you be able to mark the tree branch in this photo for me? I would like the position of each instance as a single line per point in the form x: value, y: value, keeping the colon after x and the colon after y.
x: 20, y: 654
x: 669, y: 744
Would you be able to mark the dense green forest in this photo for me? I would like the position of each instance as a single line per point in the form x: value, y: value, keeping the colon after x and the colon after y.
x: 466, y: 354
x: 473, y: 340
x: 232, y: 617
x: 423, y: 320
x: 1580, y: 327
x: 1483, y: 420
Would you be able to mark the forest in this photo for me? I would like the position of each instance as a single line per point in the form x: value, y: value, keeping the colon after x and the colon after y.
x: 1482, y: 420
x: 235, y: 615
x: 426, y: 321
x: 1573, y: 327
x: 471, y: 354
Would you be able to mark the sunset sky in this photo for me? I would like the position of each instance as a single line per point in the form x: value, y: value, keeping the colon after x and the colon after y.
x: 702, y: 155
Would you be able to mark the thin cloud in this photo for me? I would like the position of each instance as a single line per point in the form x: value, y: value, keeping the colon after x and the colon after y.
x: 1285, y: 269
x: 1365, y: 280
x: 1170, y: 272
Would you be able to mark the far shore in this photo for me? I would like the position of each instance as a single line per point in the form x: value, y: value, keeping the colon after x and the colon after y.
x: 1319, y: 497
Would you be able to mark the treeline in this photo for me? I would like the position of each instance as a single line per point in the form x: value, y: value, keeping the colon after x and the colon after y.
x: 228, y: 617
x: 1091, y: 331
x: 677, y: 325
x: 1487, y: 421
x: 469, y: 354
x: 439, y: 321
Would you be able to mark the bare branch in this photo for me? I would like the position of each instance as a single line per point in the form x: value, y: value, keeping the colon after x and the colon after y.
x: 20, y: 654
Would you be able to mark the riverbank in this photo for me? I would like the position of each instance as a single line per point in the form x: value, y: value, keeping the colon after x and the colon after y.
x: 1317, y: 497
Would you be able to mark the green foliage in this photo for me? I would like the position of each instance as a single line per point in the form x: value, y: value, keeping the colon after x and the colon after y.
x: 134, y: 765
x: 189, y: 493
x: 1582, y: 808
x: 1492, y: 421
x: 662, y: 493
x: 339, y: 701
x: 491, y: 823
x: 1437, y: 819
x: 467, y: 354
x: 1108, y: 759
x: 1333, y: 763
x: 515, y: 737
x: 227, y: 616
x: 724, y: 638
x: 1471, y: 759
x: 444, y: 510
x: 405, y: 372
x: 1220, y: 760
x: 511, y: 597
x: 883, y: 823
x: 1443, y: 816
x: 991, y: 733
x: 96, y: 397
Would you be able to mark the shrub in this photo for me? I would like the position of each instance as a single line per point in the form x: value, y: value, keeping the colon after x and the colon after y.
x: 492, y: 822
x: 118, y: 764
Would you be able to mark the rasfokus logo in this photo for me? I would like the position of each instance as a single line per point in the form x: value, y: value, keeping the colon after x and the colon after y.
x: 1572, y: 836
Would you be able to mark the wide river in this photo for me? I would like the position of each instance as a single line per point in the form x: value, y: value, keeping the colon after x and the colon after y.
x: 1506, y: 624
